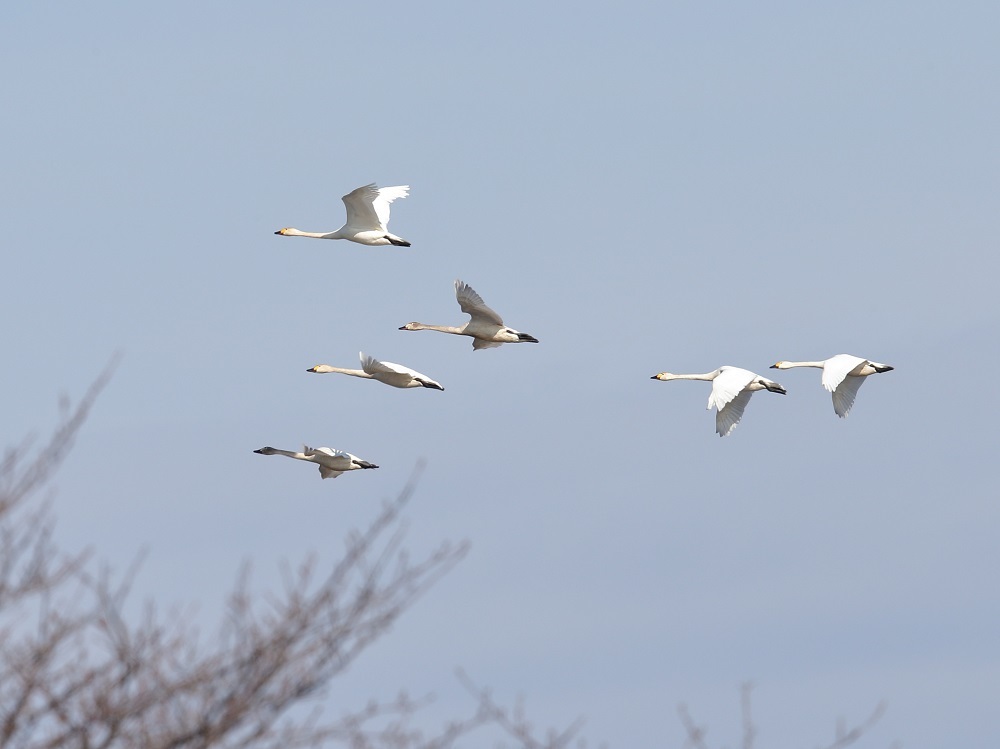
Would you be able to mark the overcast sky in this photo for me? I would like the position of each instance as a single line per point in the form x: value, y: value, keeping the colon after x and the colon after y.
x: 643, y: 187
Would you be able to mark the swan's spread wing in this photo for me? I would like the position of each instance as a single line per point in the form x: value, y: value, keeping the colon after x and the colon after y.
x: 728, y: 385
x: 385, y: 196
x: 478, y: 343
x: 371, y: 365
x: 330, y: 457
x: 328, y: 473
x: 473, y: 305
x: 361, y: 212
x: 728, y: 417
x: 837, y: 368
x: 843, y: 396
x: 390, y: 372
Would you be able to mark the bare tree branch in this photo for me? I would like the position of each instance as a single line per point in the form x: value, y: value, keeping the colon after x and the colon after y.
x: 846, y: 736
x: 695, y: 735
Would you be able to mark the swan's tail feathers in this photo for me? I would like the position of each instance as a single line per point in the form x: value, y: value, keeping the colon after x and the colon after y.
x: 364, y: 464
x: 525, y: 338
x: 397, y: 241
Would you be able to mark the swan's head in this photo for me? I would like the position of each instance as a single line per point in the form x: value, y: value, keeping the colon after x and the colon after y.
x: 665, y: 376
x: 284, y: 231
x: 780, y: 365
x: 320, y: 368
x: 266, y: 451
x: 412, y: 326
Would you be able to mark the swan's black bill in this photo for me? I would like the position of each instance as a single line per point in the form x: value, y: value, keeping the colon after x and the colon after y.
x: 278, y: 232
x: 773, y: 366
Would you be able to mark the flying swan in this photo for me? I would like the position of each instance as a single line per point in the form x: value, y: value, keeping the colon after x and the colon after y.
x: 384, y: 371
x: 486, y: 328
x: 367, y: 217
x: 843, y: 375
x: 332, y: 462
x: 731, y: 391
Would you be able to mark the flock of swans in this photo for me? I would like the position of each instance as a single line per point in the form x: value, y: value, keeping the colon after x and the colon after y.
x: 367, y: 223
x: 732, y: 387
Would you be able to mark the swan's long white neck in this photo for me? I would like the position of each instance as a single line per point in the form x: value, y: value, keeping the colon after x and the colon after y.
x: 793, y: 364
x: 440, y: 328
x: 325, y: 368
x: 314, y: 234
x: 707, y: 376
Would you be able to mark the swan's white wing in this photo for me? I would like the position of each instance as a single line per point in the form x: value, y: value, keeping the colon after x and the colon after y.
x: 328, y: 473
x: 331, y: 456
x: 330, y: 451
x: 837, y: 368
x: 727, y: 417
x: 478, y: 343
x: 390, y: 372
x: 843, y: 396
x: 361, y: 212
x: 371, y: 365
x: 473, y: 305
x: 385, y: 196
x: 727, y: 386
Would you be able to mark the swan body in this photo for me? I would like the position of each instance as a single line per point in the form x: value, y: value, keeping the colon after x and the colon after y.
x: 843, y: 376
x: 384, y: 371
x: 367, y: 217
x: 332, y: 462
x: 485, y: 326
x: 731, y: 391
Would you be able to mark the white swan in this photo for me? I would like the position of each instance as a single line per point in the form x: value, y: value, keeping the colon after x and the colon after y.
x: 384, y: 371
x: 367, y: 217
x: 332, y: 462
x: 843, y: 375
x: 485, y: 326
x: 731, y: 391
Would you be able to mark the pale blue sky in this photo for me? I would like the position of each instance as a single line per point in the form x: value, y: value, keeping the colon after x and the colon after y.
x: 644, y: 187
